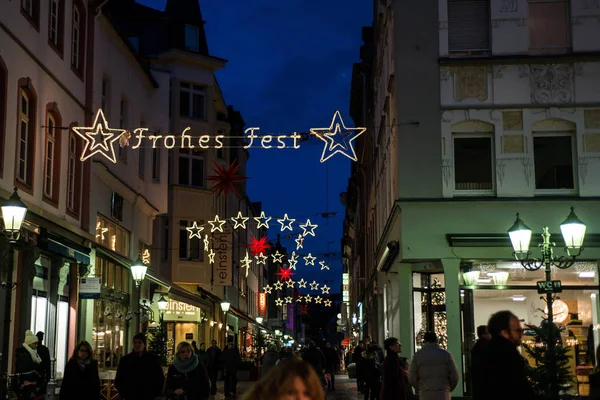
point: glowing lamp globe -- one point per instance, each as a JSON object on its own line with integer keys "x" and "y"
{"x": 573, "y": 232}
{"x": 13, "y": 213}
{"x": 520, "y": 238}
{"x": 163, "y": 303}
{"x": 138, "y": 271}
{"x": 471, "y": 277}
{"x": 259, "y": 320}
{"x": 225, "y": 305}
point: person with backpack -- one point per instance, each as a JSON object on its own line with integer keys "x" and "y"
{"x": 372, "y": 371}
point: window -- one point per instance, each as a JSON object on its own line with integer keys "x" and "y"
{"x": 27, "y": 6}
{"x": 23, "y": 152}
{"x": 52, "y": 159}
{"x": 191, "y": 168}
{"x": 192, "y": 35}
{"x": 72, "y": 203}
{"x": 189, "y": 249}
{"x": 469, "y": 26}
{"x": 77, "y": 37}
{"x": 191, "y": 101}
{"x": 122, "y": 125}
{"x": 553, "y": 162}
{"x": 548, "y": 26}
{"x": 56, "y": 25}
{"x": 26, "y": 136}
{"x": 109, "y": 332}
{"x": 112, "y": 236}
{"x": 31, "y": 10}
{"x": 429, "y": 312}
{"x": 473, "y": 163}
{"x": 156, "y": 164}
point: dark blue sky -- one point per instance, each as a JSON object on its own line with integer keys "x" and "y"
{"x": 289, "y": 69}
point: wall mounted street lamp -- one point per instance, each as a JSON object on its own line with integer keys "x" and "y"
{"x": 259, "y": 320}
{"x": 573, "y": 232}
{"x": 13, "y": 215}
{"x": 162, "y": 303}
{"x": 225, "y": 305}
{"x": 138, "y": 273}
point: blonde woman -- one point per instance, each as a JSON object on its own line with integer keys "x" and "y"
{"x": 291, "y": 379}
{"x": 187, "y": 378}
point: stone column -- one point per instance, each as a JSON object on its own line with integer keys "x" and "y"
{"x": 451, "y": 276}
{"x": 405, "y": 309}
{"x": 30, "y": 254}
{"x": 58, "y": 277}
{"x": 82, "y": 309}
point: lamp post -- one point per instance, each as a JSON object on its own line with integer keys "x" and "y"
{"x": 573, "y": 232}
{"x": 13, "y": 214}
{"x": 225, "y": 304}
{"x": 138, "y": 272}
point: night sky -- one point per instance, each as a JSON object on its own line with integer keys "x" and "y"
{"x": 289, "y": 69}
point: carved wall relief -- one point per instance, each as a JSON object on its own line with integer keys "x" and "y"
{"x": 591, "y": 4}
{"x": 592, "y": 142}
{"x": 528, "y": 170}
{"x": 513, "y": 144}
{"x": 500, "y": 170}
{"x": 551, "y": 83}
{"x": 508, "y": 6}
{"x": 447, "y": 171}
{"x": 591, "y": 119}
{"x": 512, "y": 120}
{"x": 471, "y": 83}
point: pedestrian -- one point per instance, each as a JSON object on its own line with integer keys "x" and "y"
{"x": 139, "y": 373}
{"x": 331, "y": 362}
{"x": 477, "y": 361}
{"x": 202, "y": 356}
{"x": 315, "y": 357}
{"x": 195, "y": 347}
{"x": 269, "y": 359}
{"x": 357, "y": 360}
{"x": 45, "y": 370}
{"x": 394, "y": 385}
{"x": 80, "y": 380}
{"x": 28, "y": 368}
{"x": 372, "y": 371}
{"x": 504, "y": 373}
{"x": 187, "y": 378}
{"x": 432, "y": 371}
{"x": 291, "y": 379}
{"x": 214, "y": 359}
{"x": 231, "y": 363}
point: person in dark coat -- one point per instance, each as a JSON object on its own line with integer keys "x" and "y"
{"x": 28, "y": 368}
{"x": 478, "y": 359}
{"x": 504, "y": 373}
{"x": 214, "y": 358}
{"x": 395, "y": 384}
{"x": 81, "y": 380}
{"x": 187, "y": 378}
{"x": 315, "y": 357}
{"x": 331, "y": 362}
{"x": 372, "y": 371}
{"x": 139, "y": 373}
{"x": 231, "y": 364}
{"x": 357, "y": 360}
{"x": 45, "y": 369}
{"x": 269, "y": 359}
{"x": 202, "y": 356}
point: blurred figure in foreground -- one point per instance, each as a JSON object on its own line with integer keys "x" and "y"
{"x": 81, "y": 380}
{"x": 395, "y": 384}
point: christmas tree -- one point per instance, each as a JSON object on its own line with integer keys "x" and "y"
{"x": 157, "y": 343}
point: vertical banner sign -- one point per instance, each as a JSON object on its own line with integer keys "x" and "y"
{"x": 262, "y": 303}
{"x": 222, "y": 268}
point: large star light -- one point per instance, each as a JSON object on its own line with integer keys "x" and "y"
{"x": 300, "y": 242}
{"x": 263, "y": 221}
{"x": 240, "y": 221}
{"x": 278, "y": 285}
{"x": 284, "y": 274}
{"x": 246, "y": 263}
{"x": 286, "y": 223}
{"x": 309, "y": 259}
{"x": 195, "y": 230}
{"x": 259, "y": 246}
{"x": 308, "y": 228}
{"x": 338, "y": 138}
{"x": 293, "y": 260}
{"x": 217, "y": 224}
{"x": 99, "y": 138}
{"x": 277, "y": 257}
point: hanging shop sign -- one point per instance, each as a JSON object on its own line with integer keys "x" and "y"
{"x": 262, "y": 303}
{"x": 549, "y": 287}
{"x": 222, "y": 266}
{"x": 100, "y": 139}
{"x": 89, "y": 288}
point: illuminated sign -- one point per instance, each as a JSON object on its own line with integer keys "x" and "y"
{"x": 262, "y": 302}
{"x": 345, "y": 287}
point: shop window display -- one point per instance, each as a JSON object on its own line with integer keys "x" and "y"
{"x": 429, "y": 311}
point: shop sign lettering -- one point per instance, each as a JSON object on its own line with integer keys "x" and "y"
{"x": 223, "y": 260}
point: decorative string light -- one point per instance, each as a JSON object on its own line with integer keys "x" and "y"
{"x": 338, "y": 138}
{"x": 279, "y": 302}
{"x": 308, "y": 228}
{"x": 300, "y": 242}
{"x": 286, "y": 223}
{"x": 309, "y": 259}
{"x": 302, "y": 283}
{"x": 314, "y": 285}
{"x": 323, "y": 266}
{"x": 293, "y": 260}
{"x": 195, "y": 230}
{"x": 277, "y": 257}
{"x": 206, "y": 242}
{"x": 288, "y": 300}
{"x": 268, "y": 289}
{"x": 217, "y": 224}
{"x": 98, "y": 138}
{"x": 246, "y": 263}
{"x": 211, "y": 256}
{"x": 318, "y": 300}
{"x": 290, "y": 283}
{"x": 263, "y": 221}
{"x": 261, "y": 259}
{"x": 325, "y": 289}
{"x": 327, "y": 303}
{"x": 240, "y": 221}
{"x": 308, "y": 298}
{"x": 278, "y": 285}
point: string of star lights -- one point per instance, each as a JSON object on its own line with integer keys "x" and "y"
{"x": 99, "y": 139}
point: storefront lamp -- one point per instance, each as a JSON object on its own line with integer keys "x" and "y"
{"x": 573, "y": 232}
{"x": 471, "y": 277}
{"x": 520, "y": 237}
{"x": 163, "y": 303}
{"x": 138, "y": 271}
{"x": 500, "y": 278}
{"x": 225, "y": 305}
{"x": 259, "y": 320}
{"x": 13, "y": 214}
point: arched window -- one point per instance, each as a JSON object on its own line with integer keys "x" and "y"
{"x": 78, "y": 18}
{"x": 25, "y": 160}
{"x": 554, "y": 156}
{"x": 52, "y": 146}
{"x": 473, "y": 149}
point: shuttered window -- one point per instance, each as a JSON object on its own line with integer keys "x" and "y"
{"x": 469, "y": 25}
{"x": 548, "y": 31}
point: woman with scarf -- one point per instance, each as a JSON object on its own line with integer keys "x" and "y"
{"x": 81, "y": 379}
{"x": 187, "y": 378}
{"x": 28, "y": 368}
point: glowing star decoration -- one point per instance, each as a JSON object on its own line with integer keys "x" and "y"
{"x": 286, "y": 223}
{"x": 293, "y": 260}
{"x": 268, "y": 289}
{"x": 323, "y": 266}
{"x": 100, "y": 231}
{"x": 290, "y": 284}
{"x": 338, "y": 138}
{"x": 263, "y": 220}
{"x": 288, "y": 300}
{"x": 278, "y": 285}
{"x": 325, "y": 289}
{"x": 277, "y": 257}
{"x": 206, "y": 242}
{"x": 217, "y": 224}
{"x": 211, "y": 256}
{"x": 284, "y": 274}
{"x": 318, "y": 300}
{"x": 299, "y": 299}
{"x": 246, "y": 263}
{"x": 99, "y": 138}
{"x": 327, "y": 303}
{"x": 302, "y": 283}
{"x": 227, "y": 179}
{"x": 259, "y": 246}
{"x": 307, "y": 298}
{"x": 146, "y": 257}
{"x": 240, "y": 221}
{"x": 314, "y": 285}
{"x": 308, "y": 228}
{"x": 195, "y": 230}
{"x": 278, "y": 302}
{"x": 261, "y": 259}
{"x": 304, "y": 309}
{"x": 309, "y": 259}
{"x": 300, "y": 242}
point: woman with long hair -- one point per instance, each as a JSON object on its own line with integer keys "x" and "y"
{"x": 291, "y": 379}
{"x": 395, "y": 384}
{"x": 81, "y": 379}
{"x": 187, "y": 378}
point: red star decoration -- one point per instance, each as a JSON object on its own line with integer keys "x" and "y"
{"x": 304, "y": 309}
{"x": 284, "y": 274}
{"x": 226, "y": 179}
{"x": 259, "y": 246}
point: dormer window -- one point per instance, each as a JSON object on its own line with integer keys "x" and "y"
{"x": 192, "y": 35}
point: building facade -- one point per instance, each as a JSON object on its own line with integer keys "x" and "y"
{"x": 490, "y": 114}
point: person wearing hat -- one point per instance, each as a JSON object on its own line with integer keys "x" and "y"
{"x": 28, "y": 367}
{"x": 139, "y": 373}
{"x": 44, "y": 354}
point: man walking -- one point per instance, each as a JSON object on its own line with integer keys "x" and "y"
{"x": 432, "y": 371}
{"x": 331, "y": 362}
{"x": 358, "y": 362}
{"x": 44, "y": 354}
{"x": 214, "y": 358}
{"x": 504, "y": 373}
{"x": 477, "y": 361}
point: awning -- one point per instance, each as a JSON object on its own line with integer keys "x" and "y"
{"x": 65, "y": 247}
{"x": 178, "y": 293}
{"x": 117, "y": 258}
{"x": 242, "y": 315}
